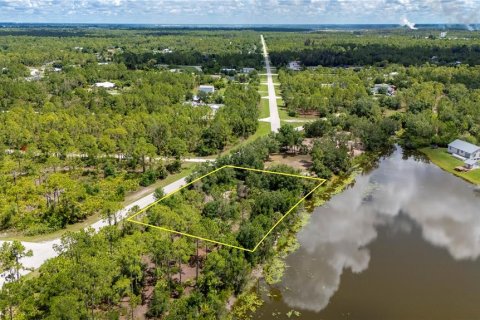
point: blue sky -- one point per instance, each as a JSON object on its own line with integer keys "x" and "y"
{"x": 240, "y": 11}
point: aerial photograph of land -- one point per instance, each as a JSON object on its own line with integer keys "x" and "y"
{"x": 240, "y": 159}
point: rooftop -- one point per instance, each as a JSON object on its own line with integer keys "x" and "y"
{"x": 470, "y": 162}
{"x": 105, "y": 84}
{"x": 464, "y": 146}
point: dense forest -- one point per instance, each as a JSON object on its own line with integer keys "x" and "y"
{"x": 379, "y": 48}
{"x": 136, "y": 49}
{"x": 71, "y": 149}
{"x": 125, "y": 269}
{"x": 233, "y": 206}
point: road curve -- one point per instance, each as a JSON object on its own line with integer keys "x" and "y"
{"x": 44, "y": 250}
{"x": 272, "y": 97}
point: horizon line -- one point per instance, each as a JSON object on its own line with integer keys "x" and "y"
{"x": 239, "y": 24}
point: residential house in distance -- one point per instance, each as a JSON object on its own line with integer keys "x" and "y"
{"x": 386, "y": 88}
{"x": 467, "y": 152}
{"x": 248, "y": 70}
{"x": 166, "y": 50}
{"x": 294, "y": 66}
{"x": 228, "y": 71}
{"x": 206, "y": 88}
{"x": 106, "y": 85}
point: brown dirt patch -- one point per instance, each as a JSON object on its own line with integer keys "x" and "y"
{"x": 302, "y": 161}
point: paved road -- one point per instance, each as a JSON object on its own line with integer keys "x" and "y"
{"x": 272, "y": 97}
{"x": 44, "y": 250}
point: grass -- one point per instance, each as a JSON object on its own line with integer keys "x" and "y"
{"x": 263, "y": 130}
{"x": 389, "y": 112}
{"x": 264, "y": 109}
{"x": 294, "y": 124}
{"x": 282, "y": 111}
{"x": 187, "y": 168}
{"x": 447, "y": 162}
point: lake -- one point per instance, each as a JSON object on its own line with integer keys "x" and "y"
{"x": 403, "y": 242}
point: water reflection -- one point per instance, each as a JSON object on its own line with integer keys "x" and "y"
{"x": 401, "y": 194}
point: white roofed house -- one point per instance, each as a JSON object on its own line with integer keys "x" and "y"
{"x": 294, "y": 66}
{"x": 206, "y": 88}
{"x": 467, "y": 152}
{"x": 228, "y": 70}
{"x": 106, "y": 85}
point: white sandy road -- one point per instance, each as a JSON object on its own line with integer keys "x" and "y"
{"x": 44, "y": 250}
{"x": 272, "y": 97}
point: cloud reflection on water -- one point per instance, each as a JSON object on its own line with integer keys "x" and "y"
{"x": 445, "y": 208}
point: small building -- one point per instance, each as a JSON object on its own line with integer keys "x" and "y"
{"x": 106, "y": 85}
{"x": 464, "y": 150}
{"x": 166, "y": 50}
{"x": 471, "y": 164}
{"x": 386, "y": 88}
{"x": 206, "y": 88}
{"x": 215, "y": 106}
{"x": 248, "y": 70}
{"x": 294, "y": 66}
{"x": 228, "y": 71}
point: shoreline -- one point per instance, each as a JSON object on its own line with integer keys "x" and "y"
{"x": 250, "y": 299}
{"x": 439, "y": 159}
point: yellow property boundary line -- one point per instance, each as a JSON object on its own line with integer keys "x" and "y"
{"x": 322, "y": 181}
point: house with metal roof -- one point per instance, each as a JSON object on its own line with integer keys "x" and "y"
{"x": 464, "y": 150}
{"x": 467, "y": 152}
{"x": 206, "y": 88}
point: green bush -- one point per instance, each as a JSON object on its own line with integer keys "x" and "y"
{"x": 148, "y": 178}
{"x": 174, "y": 166}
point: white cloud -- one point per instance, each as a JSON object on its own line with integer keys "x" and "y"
{"x": 244, "y": 11}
